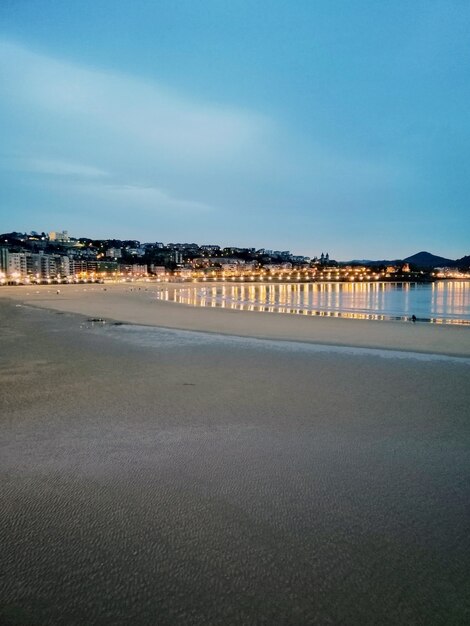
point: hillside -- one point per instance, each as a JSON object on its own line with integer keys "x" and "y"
{"x": 428, "y": 260}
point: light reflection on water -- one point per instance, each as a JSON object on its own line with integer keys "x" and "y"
{"x": 443, "y": 302}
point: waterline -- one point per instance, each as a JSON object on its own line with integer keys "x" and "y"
{"x": 442, "y": 302}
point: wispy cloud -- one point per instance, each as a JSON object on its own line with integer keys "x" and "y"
{"x": 139, "y": 199}
{"x": 135, "y": 110}
{"x": 56, "y": 167}
{"x": 106, "y": 143}
{"x": 141, "y": 143}
{"x": 143, "y": 196}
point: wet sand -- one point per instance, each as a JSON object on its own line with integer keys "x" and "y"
{"x": 137, "y": 304}
{"x": 155, "y": 476}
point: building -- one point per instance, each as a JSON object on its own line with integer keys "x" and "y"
{"x": 177, "y": 257}
{"x": 106, "y": 267}
{"x": 77, "y": 267}
{"x": 3, "y": 259}
{"x": 16, "y": 267}
{"x": 133, "y": 270}
{"x": 59, "y": 236}
{"x": 278, "y": 267}
{"x": 210, "y": 248}
{"x": 113, "y": 253}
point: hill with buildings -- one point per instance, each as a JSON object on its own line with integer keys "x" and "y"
{"x": 38, "y": 257}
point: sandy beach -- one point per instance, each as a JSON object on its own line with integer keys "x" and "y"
{"x": 136, "y": 303}
{"x": 155, "y": 474}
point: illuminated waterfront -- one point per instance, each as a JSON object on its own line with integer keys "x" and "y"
{"x": 440, "y": 302}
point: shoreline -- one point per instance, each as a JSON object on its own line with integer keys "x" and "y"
{"x": 347, "y": 349}
{"x": 137, "y": 305}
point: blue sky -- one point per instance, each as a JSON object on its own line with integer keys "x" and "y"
{"x": 340, "y": 126}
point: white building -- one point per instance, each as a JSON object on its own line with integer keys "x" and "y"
{"x": 16, "y": 265}
{"x": 61, "y": 236}
{"x": 114, "y": 253}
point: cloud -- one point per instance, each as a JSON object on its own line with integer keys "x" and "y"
{"x": 132, "y": 197}
{"x": 62, "y": 168}
{"x": 139, "y": 129}
{"x": 110, "y": 143}
{"x": 145, "y": 197}
{"x": 137, "y": 111}
{"x": 152, "y": 145}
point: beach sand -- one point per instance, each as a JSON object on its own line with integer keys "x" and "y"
{"x": 137, "y": 304}
{"x": 151, "y": 475}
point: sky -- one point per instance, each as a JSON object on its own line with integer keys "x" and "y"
{"x": 304, "y": 125}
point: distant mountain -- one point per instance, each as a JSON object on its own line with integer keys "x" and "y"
{"x": 359, "y": 262}
{"x": 428, "y": 260}
{"x": 370, "y": 262}
{"x": 463, "y": 262}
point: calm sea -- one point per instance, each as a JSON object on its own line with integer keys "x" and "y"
{"x": 442, "y": 302}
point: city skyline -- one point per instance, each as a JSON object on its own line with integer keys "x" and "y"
{"x": 59, "y": 237}
{"x": 303, "y": 127}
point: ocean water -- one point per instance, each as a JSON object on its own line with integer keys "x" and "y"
{"x": 442, "y": 302}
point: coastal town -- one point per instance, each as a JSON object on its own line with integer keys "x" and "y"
{"x": 56, "y": 257}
